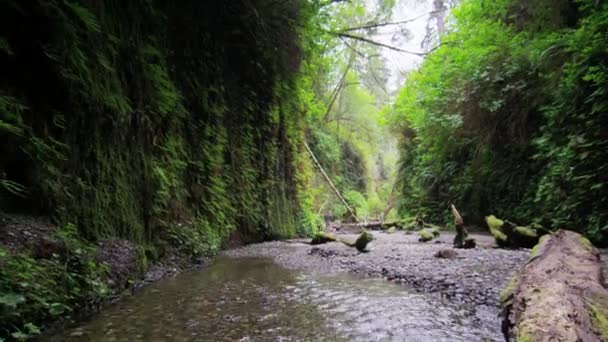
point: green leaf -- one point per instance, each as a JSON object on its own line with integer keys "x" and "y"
{"x": 597, "y": 186}
{"x": 11, "y": 300}
{"x": 57, "y": 309}
{"x": 18, "y": 335}
{"x": 32, "y": 328}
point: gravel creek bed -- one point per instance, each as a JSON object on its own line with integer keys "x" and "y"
{"x": 474, "y": 276}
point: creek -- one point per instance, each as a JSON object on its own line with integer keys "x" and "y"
{"x": 254, "y": 299}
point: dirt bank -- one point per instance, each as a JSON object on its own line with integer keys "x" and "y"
{"x": 473, "y": 276}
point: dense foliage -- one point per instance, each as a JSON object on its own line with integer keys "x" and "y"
{"x": 126, "y": 119}
{"x": 151, "y": 121}
{"x": 347, "y": 89}
{"x": 509, "y": 116}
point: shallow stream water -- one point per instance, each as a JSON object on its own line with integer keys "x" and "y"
{"x": 246, "y": 299}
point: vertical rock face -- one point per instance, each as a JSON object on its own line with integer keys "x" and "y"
{"x": 558, "y": 295}
{"x": 127, "y": 119}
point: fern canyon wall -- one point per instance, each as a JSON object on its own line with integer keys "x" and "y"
{"x": 147, "y": 119}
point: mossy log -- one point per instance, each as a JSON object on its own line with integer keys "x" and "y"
{"x": 376, "y": 225}
{"x": 558, "y": 295}
{"x": 508, "y": 234}
{"x": 322, "y": 237}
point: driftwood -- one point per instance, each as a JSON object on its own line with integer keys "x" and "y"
{"x": 558, "y": 295}
{"x": 322, "y": 237}
{"x": 360, "y": 244}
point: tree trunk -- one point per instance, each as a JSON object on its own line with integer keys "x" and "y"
{"x": 558, "y": 296}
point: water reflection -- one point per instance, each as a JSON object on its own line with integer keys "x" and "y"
{"x": 256, "y": 300}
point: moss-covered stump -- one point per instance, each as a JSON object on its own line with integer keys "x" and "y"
{"x": 322, "y": 237}
{"x": 558, "y": 295}
{"x": 425, "y": 235}
{"x": 508, "y": 234}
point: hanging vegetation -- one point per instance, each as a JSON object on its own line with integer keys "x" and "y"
{"x": 507, "y": 116}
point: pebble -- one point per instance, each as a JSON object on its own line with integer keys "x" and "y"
{"x": 476, "y": 276}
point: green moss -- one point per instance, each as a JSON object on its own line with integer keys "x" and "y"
{"x": 322, "y": 237}
{"x": 587, "y": 244}
{"x": 598, "y": 309}
{"x": 524, "y": 337}
{"x": 536, "y": 248}
{"x": 600, "y": 320}
{"x": 425, "y": 235}
{"x": 494, "y": 224}
{"x": 506, "y": 292}
{"x": 526, "y": 231}
{"x": 391, "y": 230}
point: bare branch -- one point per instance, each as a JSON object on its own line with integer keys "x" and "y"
{"x": 339, "y": 86}
{"x": 331, "y": 2}
{"x": 368, "y": 57}
{"x": 374, "y": 25}
{"x": 373, "y": 42}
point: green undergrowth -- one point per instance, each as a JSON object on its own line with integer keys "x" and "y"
{"x": 506, "y": 116}
{"x": 35, "y": 291}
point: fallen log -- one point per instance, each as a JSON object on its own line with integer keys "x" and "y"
{"x": 322, "y": 237}
{"x": 361, "y": 243}
{"x": 558, "y": 295}
{"x": 508, "y": 234}
{"x": 376, "y": 225}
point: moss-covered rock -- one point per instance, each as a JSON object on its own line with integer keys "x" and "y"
{"x": 322, "y": 237}
{"x": 425, "y": 235}
{"x": 363, "y": 240}
{"x": 391, "y": 230}
{"x": 446, "y": 254}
